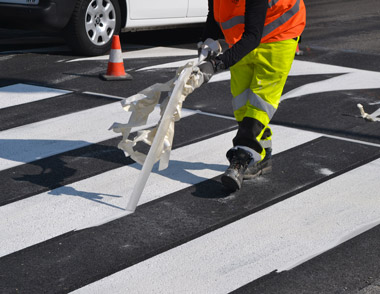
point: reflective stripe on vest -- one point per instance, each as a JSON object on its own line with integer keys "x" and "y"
{"x": 282, "y": 19}
{"x": 241, "y": 100}
{"x": 268, "y": 28}
{"x": 232, "y": 22}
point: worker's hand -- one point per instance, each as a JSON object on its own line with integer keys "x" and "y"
{"x": 211, "y": 66}
{"x": 208, "y": 49}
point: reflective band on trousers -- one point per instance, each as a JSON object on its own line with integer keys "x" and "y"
{"x": 255, "y": 100}
{"x": 269, "y": 27}
{"x": 266, "y": 143}
{"x": 281, "y": 20}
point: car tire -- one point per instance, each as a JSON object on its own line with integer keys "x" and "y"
{"x": 92, "y": 25}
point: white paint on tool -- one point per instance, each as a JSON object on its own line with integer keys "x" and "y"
{"x": 370, "y": 117}
{"x": 68, "y": 132}
{"x": 22, "y": 93}
{"x": 87, "y": 202}
{"x": 276, "y": 238}
{"x": 146, "y": 53}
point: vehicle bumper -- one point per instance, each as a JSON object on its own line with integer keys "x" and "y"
{"x": 48, "y": 14}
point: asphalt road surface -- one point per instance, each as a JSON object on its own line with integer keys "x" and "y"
{"x": 311, "y": 226}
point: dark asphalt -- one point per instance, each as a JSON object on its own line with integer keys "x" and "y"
{"x": 343, "y": 33}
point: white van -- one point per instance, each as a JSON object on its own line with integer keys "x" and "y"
{"x": 88, "y": 25}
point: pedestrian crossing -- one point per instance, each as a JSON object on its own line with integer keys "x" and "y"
{"x": 61, "y": 175}
{"x": 242, "y": 251}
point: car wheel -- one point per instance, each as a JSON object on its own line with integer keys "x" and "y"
{"x": 92, "y": 25}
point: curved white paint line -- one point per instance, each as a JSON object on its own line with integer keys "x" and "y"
{"x": 351, "y": 79}
{"x": 145, "y": 53}
{"x": 356, "y": 80}
{"x": 301, "y": 68}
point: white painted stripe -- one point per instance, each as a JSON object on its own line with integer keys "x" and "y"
{"x": 22, "y": 93}
{"x": 87, "y": 202}
{"x": 174, "y": 64}
{"x": 146, "y": 53}
{"x": 103, "y": 95}
{"x": 49, "y": 137}
{"x": 351, "y": 140}
{"x": 39, "y": 50}
{"x": 277, "y": 238}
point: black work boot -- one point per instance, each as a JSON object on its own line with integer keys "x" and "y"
{"x": 260, "y": 168}
{"x": 233, "y": 176}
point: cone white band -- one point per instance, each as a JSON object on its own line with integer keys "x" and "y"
{"x": 116, "y": 56}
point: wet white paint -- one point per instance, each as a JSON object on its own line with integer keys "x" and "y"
{"x": 349, "y": 78}
{"x": 18, "y": 94}
{"x": 325, "y": 171}
{"x": 277, "y": 238}
{"x": 87, "y": 202}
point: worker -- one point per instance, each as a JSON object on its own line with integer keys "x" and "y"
{"x": 262, "y": 36}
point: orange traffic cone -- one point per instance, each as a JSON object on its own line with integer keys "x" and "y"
{"x": 115, "y": 70}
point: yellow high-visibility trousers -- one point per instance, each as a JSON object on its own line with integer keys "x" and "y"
{"x": 257, "y": 82}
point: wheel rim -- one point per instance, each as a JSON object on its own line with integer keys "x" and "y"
{"x": 100, "y": 21}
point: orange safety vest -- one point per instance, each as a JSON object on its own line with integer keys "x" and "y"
{"x": 285, "y": 19}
